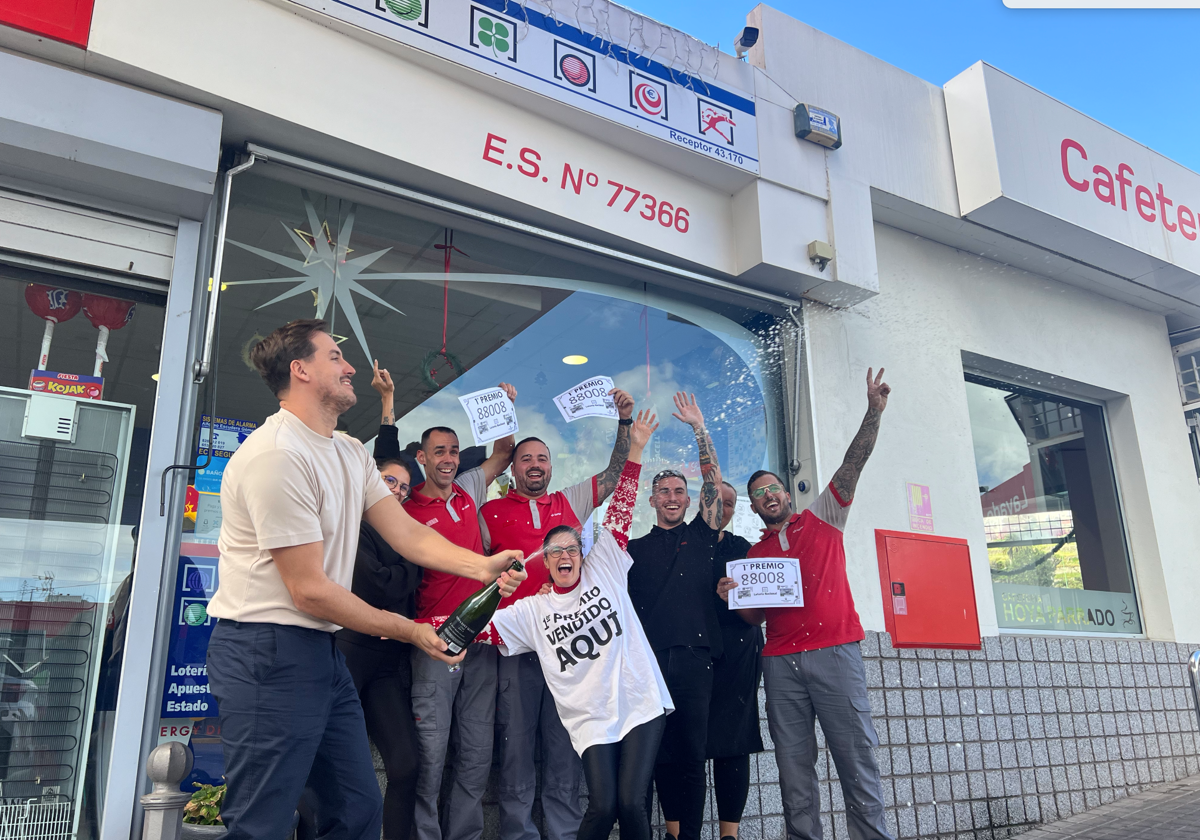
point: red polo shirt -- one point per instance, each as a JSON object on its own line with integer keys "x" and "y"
{"x": 828, "y": 617}
{"x": 456, "y": 519}
{"x": 516, "y": 521}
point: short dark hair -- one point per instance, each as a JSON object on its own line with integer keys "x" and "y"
{"x": 759, "y": 474}
{"x": 401, "y": 460}
{"x": 561, "y": 529}
{"x": 524, "y": 441}
{"x": 730, "y": 486}
{"x": 273, "y": 356}
{"x": 664, "y": 475}
{"x": 446, "y": 430}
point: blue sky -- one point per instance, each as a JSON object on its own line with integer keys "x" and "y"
{"x": 1136, "y": 71}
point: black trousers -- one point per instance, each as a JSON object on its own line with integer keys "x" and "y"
{"x": 679, "y": 771}
{"x": 384, "y": 682}
{"x": 731, "y": 779}
{"x": 618, "y": 779}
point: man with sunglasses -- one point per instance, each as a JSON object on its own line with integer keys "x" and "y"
{"x": 812, "y": 666}
{"x": 670, "y": 585}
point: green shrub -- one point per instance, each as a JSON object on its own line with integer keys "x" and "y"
{"x": 204, "y": 808}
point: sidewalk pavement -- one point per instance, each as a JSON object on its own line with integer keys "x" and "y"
{"x": 1166, "y": 812}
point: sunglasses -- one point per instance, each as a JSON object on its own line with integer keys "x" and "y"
{"x": 558, "y": 551}
{"x": 759, "y": 492}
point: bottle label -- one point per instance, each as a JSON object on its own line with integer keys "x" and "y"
{"x": 456, "y": 634}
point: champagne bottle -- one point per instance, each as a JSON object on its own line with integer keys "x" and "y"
{"x": 472, "y": 615}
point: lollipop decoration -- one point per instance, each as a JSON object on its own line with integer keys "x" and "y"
{"x": 106, "y": 314}
{"x": 54, "y": 306}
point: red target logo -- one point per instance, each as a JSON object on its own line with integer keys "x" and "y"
{"x": 575, "y": 71}
{"x": 647, "y": 95}
{"x": 574, "y": 66}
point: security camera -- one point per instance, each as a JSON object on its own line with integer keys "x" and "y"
{"x": 747, "y": 39}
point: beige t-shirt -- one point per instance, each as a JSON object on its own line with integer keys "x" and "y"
{"x": 288, "y": 485}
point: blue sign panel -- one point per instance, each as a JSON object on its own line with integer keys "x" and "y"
{"x": 185, "y": 691}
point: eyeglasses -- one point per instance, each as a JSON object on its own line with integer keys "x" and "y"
{"x": 558, "y": 551}
{"x": 394, "y": 484}
{"x": 759, "y": 492}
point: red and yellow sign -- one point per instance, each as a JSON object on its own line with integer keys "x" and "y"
{"x": 67, "y": 384}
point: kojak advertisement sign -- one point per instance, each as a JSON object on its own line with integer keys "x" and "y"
{"x": 516, "y": 42}
{"x": 1039, "y": 170}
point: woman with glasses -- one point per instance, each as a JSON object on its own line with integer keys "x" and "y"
{"x": 381, "y": 667}
{"x": 596, "y": 659}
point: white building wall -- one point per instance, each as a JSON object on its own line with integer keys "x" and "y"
{"x": 935, "y": 303}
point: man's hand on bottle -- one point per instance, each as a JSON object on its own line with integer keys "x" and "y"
{"x": 427, "y": 639}
{"x": 497, "y": 567}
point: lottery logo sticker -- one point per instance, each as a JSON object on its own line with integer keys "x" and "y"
{"x": 574, "y": 66}
{"x": 716, "y": 122}
{"x": 492, "y": 34}
{"x": 647, "y": 95}
{"x": 413, "y": 11}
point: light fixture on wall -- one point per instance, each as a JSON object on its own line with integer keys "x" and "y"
{"x": 820, "y": 254}
{"x": 575, "y": 360}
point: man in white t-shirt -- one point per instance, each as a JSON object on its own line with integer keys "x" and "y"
{"x": 292, "y": 498}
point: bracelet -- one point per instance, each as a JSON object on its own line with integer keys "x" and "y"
{"x": 625, "y": 421}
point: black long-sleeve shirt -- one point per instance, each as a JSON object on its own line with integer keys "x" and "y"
{"x": 384, "y": 580}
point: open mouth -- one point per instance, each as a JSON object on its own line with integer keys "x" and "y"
{"x": 672, "y": 508}
{"x": 772, "y": 506}
{"x": 565, "y": 568}
{"x": 534, "y": 475}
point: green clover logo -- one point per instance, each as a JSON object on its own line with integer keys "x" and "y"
{"x": 494, "y": 34}
{"x": 405, "y": 9}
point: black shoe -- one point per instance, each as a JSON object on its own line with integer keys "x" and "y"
{"x": 728, "y": 837}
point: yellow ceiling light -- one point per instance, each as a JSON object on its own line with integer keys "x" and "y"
{"x": 154, "y": 376}
{"x": 575, "y": 360}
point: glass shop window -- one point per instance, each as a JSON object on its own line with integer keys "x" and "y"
{"x": 1056, "y": 544}
{"x": 77, "y": 394}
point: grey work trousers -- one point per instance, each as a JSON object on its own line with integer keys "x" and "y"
{"x": 466, "y": 697}
{"x": 828, "y": 685}
{"x": 524, "y": 707}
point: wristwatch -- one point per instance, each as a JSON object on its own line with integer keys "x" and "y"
{"x": 625, "y": 421}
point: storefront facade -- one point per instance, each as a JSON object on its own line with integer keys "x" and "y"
{"x": 476, "y": 193}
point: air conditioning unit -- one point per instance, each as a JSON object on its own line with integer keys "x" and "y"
{"x": 1187, "y": 372}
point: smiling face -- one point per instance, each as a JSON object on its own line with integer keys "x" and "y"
{"x": 670, "y": 501}
{"x": 728, "y": 505}
{"x": 439, "y": 456}
{"x": 564, "y": 557}
{"x": 774, "y": 505}
{"x": 531, "y": 469}
{"x": 397, "y": 479}
{"x": 328, "y": 373}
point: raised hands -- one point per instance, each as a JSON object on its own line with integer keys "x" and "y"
{"x": 877, "y": 390}
{"x": 623, "y": 402}
{"x": 687, "y": 410}
{"x": 381, "y": 381}
{"x": 639, "y": 433}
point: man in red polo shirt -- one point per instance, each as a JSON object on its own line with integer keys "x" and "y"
{"x": 521, "y": 519}
{"x": 812, "y": 666}
{"x": 449, "y": 503}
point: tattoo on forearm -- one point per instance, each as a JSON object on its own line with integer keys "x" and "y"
{"x": 389, "y": 418}
{"x": 710, "y": 469}
{"x": 845, "y": 480}
{"x": 606, "y": 481}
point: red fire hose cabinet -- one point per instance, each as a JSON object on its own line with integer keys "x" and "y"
{"x": 928, "y": 591}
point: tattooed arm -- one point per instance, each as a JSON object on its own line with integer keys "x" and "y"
{"x": 381, "y": 381}
{"x": 846, "y": 478}
{"x": 606, "y": 481}
{"x": 710, "y": 470}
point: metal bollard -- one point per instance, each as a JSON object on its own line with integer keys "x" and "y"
{"x": 1194, "y": 677}
{"x": 168, "y": 765}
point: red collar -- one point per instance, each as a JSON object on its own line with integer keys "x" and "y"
{"x": 415, "y": 495}
{"x": 570, "y": 588}
{"x": 513, "y": 495}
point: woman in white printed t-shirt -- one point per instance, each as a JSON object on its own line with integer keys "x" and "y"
{"x": 598, "y": 665}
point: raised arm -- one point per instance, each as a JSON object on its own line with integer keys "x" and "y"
{"x": 381, "y": 381}
{"x": 710, "y": 471}
{"x": 845, "y": 480}
{"x": 619, "y": 516}
{"x": 502, "y": 449}
{"x": 606, "y": 481}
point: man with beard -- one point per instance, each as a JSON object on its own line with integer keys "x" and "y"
{"x": 812, "y": 666}
{"x": 292, "y": 499}
{"x": 671, "y": 585}
{"x": 449, "y": 502}
{"x": 521, "y": 520}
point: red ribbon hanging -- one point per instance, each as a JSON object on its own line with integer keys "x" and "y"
{"x": 447, "y": 247}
